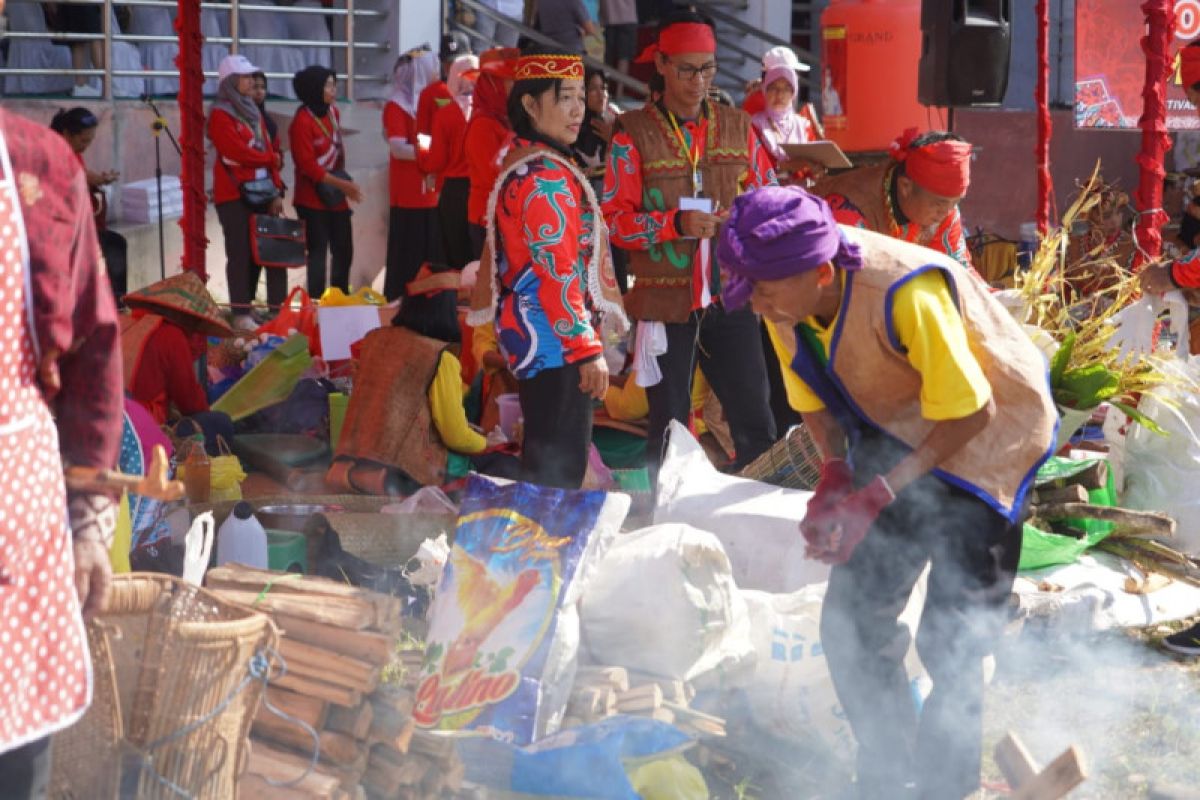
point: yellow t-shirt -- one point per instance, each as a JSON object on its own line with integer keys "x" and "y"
{"x": 953, "y": 385}
{"x": 483, "y": 341}
{"x": 628, "y": 403}
{"x": 446, "y": 407}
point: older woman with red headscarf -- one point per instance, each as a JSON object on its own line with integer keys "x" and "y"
{"x": 913, "y": 196}
{"x": 932, "y": 412}
{"x": 487, "y": 132}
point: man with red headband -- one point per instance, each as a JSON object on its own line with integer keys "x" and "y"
{"x": 913, "y": 196}
{"x": 932, "y": 412}
{"x": 673, "y": 169}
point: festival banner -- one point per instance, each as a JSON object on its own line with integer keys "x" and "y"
{"x": 1110, "y": 67}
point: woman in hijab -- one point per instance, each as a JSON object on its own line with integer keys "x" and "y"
{"x": 779, "y": 123}
{"x": 245, "y": 157}
{"x": 487, "y": 132}
{"x": 260, "y": 99}
{"x": 323, "y": 186}
{"x": 447, "y": 159}
{"x": 412, "y": 222}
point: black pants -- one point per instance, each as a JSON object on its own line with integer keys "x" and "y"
{"x": 478, "y": 236}
{"x": 558, "y": 428}
{"x": 329, "y": 235}
{"x": 116, "y": 262}
{"x": 452, "y": 217}
{"x": 241, "y": 273}
{"x": 726, "y": 345}
{"x": 25, "y": 771}
{"x": 412, "y": 233}
{"x": 974, "y": 553}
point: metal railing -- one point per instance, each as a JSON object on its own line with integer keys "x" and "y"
{"x": 346, "y": 45}
{"x": 727, "y": 22}
{"x": 627, "y": 81}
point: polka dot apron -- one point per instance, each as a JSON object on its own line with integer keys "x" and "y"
{"x": 45, "y": 671}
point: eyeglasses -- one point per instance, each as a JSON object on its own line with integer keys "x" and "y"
{"x": 689, "y": 72}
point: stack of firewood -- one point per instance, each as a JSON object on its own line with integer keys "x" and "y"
{"x": 349, "y": 678}
{"x": 601, "y": 692}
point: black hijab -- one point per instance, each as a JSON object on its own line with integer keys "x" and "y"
{"x": 309, "y": 84}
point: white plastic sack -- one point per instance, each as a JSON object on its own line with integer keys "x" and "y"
{"x": 426, "y": 500}
{"x": 757, "y": 524}
{"x": 1162, "y": 472}
{"x": 663, "y": 601}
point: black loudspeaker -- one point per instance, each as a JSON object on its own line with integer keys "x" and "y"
{"x": 965, "y": 49}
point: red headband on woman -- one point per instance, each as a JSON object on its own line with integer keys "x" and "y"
{"x": 1189, "y": 66}
{"x": 681, "y": 37}
{"x": 943, "y": 168}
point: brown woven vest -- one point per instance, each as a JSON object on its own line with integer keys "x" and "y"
{"x": 998, "y": 463}
{"x": 662, "y": 288}
{"x": 864, "y": 188}
{"x": 388, "y": 419}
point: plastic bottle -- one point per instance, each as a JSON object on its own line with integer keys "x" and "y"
{"x": 242, "y": 539}
{"x": 197, "y": 478}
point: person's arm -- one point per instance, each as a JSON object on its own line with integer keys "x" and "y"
{"x": 951, "y": 240}
{"x": 437, "y": 158}
{"x": 827, "y": 434}
{"x": 762, "y": 167}
{"x": 548, "y": 215}
{"x": 400, "y": 131}
{"x": 175, "y": 360}
{"x": 1183, "y": 273}
{"x": 631, "y": 226}
{"x": 446, "y": 408}
{"x": 231, "y": 145}
{"x": 583, "y": 19}
{"x": 486, "y": 350}
{"x": 301, "y": 134}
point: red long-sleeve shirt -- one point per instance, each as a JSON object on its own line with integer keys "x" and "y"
{"x": 164, "y": 375}
{"x": 434, "y": 97}
{"x": 484, "y": 138}
{"x": 237, "y": 162}
{"x": 406, "y": 184}
{"x": 316, "y": 149}
{"x": 447, "y": 156}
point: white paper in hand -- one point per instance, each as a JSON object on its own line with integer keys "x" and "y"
{"x": 1134, "y": 334}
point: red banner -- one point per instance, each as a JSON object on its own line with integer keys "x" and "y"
{"x": 1110, "y": 66}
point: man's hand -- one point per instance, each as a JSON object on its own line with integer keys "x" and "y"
{"x": 496, "y": 437}
{"x": 833, "y": 533}
{"x": 593, "y": 378}
{"x": 93, "y": 576}
{"x": 699, "y": 224}
{"x": 351, "y": 190}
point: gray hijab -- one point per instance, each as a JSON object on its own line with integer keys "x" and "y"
{"x": 240, "y": 106}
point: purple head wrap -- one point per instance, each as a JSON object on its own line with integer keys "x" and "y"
{"x": 776, "y": 232}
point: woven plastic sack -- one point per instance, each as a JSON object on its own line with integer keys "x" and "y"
{"x": 504, "y": 625}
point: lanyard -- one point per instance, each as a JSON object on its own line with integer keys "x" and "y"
{"x": 692, "y": 155}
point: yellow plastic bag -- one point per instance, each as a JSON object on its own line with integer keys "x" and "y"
{"x": 226, "y": 475}
{"x": 672, "y": 778}
{"x": 366, "y": 296}
{"x": 118, "y": 552}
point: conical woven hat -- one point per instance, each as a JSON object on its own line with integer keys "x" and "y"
{"x": 184, "y": 300}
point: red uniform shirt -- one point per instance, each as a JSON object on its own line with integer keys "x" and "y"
{"x": 755, "y": 103}
{"x": 164, "y": 376}
{"x": 434, "y": 97}
{"x": 406, "y": 181}
{"x": 316, "y": 149}
{"x": 237, "y": 162}
{"x": 484, "y": 139}
{"x": 447, "y": 156}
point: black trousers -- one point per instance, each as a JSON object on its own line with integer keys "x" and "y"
{"x": 478, "y": 236}
{"x": 116, "y": 262}
{"x": 412, "y": 233}
{"x": 241, "y": 273}
{"x": 330, "y": 236}
{"x": 727, "y": 347}
{"x": 25, "y": 771}
{"x": 974, "y": 553}
{"x": 452, "y": 217}
{"x": 558, "y": 428}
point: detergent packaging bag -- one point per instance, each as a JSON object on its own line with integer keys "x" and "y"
{"x": 504, "y": 624}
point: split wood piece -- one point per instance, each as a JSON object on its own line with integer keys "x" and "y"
{"x": 354, "y": 722}
{"x": 643, "y": 698}
{"x": 307, "y": 659}
{"x": 1066, "y": 494}
{"x": 1094, "y": 477}
{"x": 594, "y": 703}
{"x": 706, "y": 724}
{"x": 398, "y": 771}
{"x": 398, "y": 739}
{"x": 311, "y": 710}
{"x": 338, "y": 695}
{"x": 241, "y": 577}
{"x": 437, "y": 746}
{"x": 1148, "y": 584}
{"x": 661, "y": 714}
{"x": 1027, "y": 781}
{"x": 616, "y": 678}
{"x": 342, "y": 612}
{"x": 1148, "y": 523}
{"x": 392, "y": 721}
{"x": 673, "y": 691}
{"x": 336, "y": 748}
{"x": 374, "y": 648}
{"x": 269, "y": 762}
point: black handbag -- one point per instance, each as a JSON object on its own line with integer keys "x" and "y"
{"x": 258, "y": 193}
{"x": 331, "y": 196}
{"x": 278, "y": 241}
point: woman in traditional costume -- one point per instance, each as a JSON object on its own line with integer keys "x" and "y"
{"x": 545, "y": 273}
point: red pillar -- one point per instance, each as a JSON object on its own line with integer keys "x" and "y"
{"x": 191, "y": 134}
{"x": 1160, "y": 26}
{"x": 1044, "y": 125}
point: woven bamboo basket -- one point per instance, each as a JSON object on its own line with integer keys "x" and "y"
{"x": 792, "y": 463}
{"x": 173, "y": 695}
{"x": 389, "y": 540}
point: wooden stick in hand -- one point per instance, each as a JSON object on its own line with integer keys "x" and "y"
{"x": 153, "y": 484}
